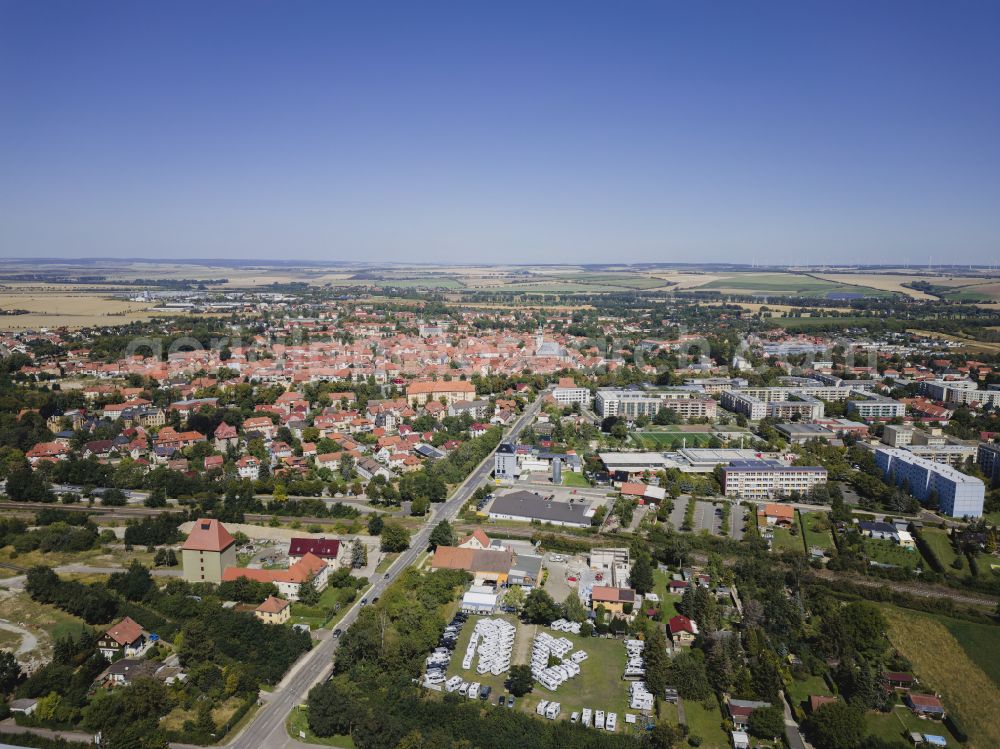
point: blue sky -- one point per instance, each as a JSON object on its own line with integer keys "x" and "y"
{"x": 469, "y": 131}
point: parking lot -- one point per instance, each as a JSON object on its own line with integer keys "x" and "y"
{"x": 598, "y": 686}
{"x": 708, "y": 517}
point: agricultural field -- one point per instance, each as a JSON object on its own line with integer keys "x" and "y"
{"x": 74, "y": 309}
{"x": 883, "y": 281}
{"x": 981, "y": 643}
{"x": 943, "y": 665}
{"x": 970, "y": 345}
{"x": 789, "y": 284}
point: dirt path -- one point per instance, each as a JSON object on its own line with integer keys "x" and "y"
{"x": 28, "y": 641}
{"x": 522, "y": 644}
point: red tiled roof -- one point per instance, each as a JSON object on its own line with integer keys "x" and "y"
{"x": 681, "y": 623}
{"x": 272, "y": 605}
{"x": 125, "y": 632}
{"x": 324, "y": 548}
{"x": 208, "y": 535}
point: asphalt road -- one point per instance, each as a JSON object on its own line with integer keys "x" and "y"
{"x": 267, "y": 729}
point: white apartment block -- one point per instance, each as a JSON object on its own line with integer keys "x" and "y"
{"x": 567, "y": 396}
{"x": 958, "y": 494}
{"x": 632, "y": 403}
{"x": 766, "y": 479}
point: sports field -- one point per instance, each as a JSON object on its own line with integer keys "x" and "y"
{"x": 665, "y": 439}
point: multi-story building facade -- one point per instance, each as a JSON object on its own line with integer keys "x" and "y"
{"x": 632, "y": 403}
{"x": 567, "y": 393}
{"x": 988, "y": 457}
{"x": 957, "y": 494}
{"x": 764, "y": 479}
{"x": 872, "y": 406}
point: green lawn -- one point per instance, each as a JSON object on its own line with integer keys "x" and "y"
{"x": 799, "y": 691}
{"x": 297, "y": 723}
{"x": 571, "y": 478}
{"x": 887, "y": 552}
{"x": 706, "y": 723}
{"x": 816, "y": 528}
{"x": 898, "y": 723}
{"x": 323, "y": 612}
{"x": 668, "y": 602}
{"x": 940, "y": 544}
{"x": 785, "y": 541}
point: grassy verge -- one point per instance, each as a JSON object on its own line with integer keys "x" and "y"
{"x": 298, "y": 728}
{"x": 385, "y": 563}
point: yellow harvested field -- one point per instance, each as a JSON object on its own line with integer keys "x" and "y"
{"x": 968, "y": 344}
{"x": 690, "y": 280}
{"x": 881, "y": 281}
{"x": 71, "y": 309}
{"x": 941, "y": 664}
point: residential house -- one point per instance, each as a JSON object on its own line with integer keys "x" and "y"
{"x": 289, "y": 581}
{"x": 613, "y": 599}
{"x": 248, "y": 467}
{"x": 778, "y": 514}
{"x": 121, "y": 673}
{"x": 327, "y": 549}
{"x": 485, "y": 565}
{"x": 225, "y": 437}
{"x": 924, "y": 704}
{"x": 682, "y": 630}
{"x": 274, "y": 611}
{"x": 126, "y": 638}
{"x": 436, "y": 390}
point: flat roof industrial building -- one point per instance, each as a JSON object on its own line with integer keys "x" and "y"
{"x": 528, "y": 506}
